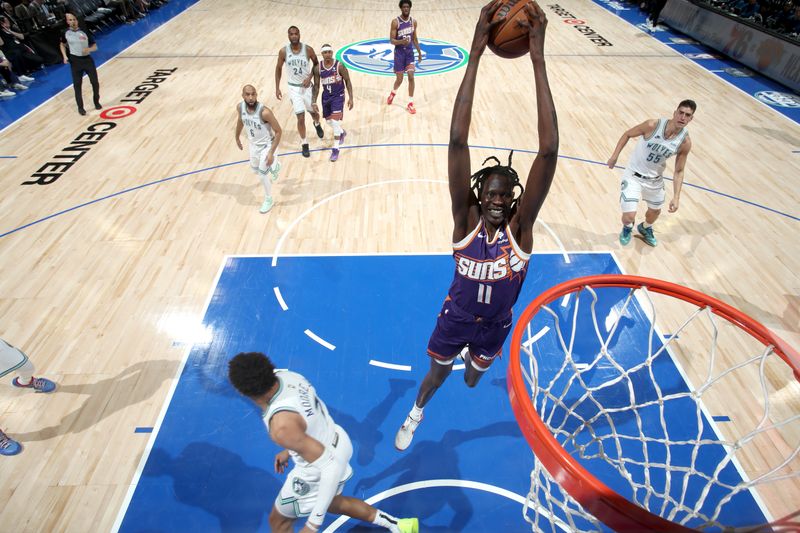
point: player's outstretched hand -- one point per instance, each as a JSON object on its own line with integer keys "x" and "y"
{"x": 278, "y": 94}
{"x": 485, "y": 26}
{"x": 612, "y": 162}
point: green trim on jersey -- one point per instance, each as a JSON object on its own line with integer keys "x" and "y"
{"x": 655, "y": 131}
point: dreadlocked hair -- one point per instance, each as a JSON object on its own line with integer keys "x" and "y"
{"x": 478, "y": 179}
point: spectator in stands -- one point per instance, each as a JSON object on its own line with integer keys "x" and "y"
{"x": 39, "y": 13}
{"x": 655, "y": 11}
{"x": 129, "y": 12}
{"x": 788, "y": 20}
{"x": 24, "y": 59}
{"x": 748, "y": 9}
{"x": 24, "y": 18}
{"x": 13, "y": 81}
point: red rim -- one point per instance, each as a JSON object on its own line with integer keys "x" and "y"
{"x": 606, "y": 505}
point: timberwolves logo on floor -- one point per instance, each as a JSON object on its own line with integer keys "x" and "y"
{"x": 779, "y": 99}
{"x": 376, "y": 56}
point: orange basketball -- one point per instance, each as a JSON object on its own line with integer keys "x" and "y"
{"x": 508, "y": 39}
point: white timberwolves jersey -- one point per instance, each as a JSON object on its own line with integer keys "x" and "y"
{"x": 651, "y": 154}
{"x": 298, "y": 64}
{"x": 258, "y": 132}
{"x": 296, "y": 394}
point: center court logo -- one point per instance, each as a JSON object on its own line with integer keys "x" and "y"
{"x": 376, "y": 56}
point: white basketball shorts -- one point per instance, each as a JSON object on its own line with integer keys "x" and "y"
{"x": 258, "y": 157}
{"x": 633, "y": 189}
{"x": 11, "y": 358}
{"x": 299, "y": 493}
{"x": 301, "y": 99}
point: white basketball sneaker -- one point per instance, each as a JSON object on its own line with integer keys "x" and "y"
{"x": 406, "y": 432}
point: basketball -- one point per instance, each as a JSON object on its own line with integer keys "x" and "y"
{"x": 509, "y": 39}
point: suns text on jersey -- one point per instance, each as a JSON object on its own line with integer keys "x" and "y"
{"x": 492, "y": 270}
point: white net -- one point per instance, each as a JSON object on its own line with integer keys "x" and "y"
{"x": 699, "y": 426}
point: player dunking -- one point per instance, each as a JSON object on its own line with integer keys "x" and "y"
{"x": 402, "y": 34}
{"x": 493, "y": 230}
{"x": 643, "y": 178}
{"x": 298, "y": 420}
{"x": 264, "y": 136}
{"x": 334, "y": 77}
{"x": 300, "y": 60}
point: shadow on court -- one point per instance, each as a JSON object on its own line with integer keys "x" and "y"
{"x": 435, "y": 460}
{"x": 365, "y": 433}
{"x": 133, "y": 385}
{"x": 240, "y": 496}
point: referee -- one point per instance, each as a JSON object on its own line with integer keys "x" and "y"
{"x": 79, "y": 44}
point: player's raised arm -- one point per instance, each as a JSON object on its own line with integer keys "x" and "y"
{"x": 544, "y": 165}
{"x": 458, "y": 161}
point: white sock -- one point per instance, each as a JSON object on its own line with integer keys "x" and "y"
{"x": 646, "y": 224}
{"x": 335, "y": 143}
{"x": 411, "y": 100}
{"x": 303, "y": 141}
{"x": 629, "y": 226}
{"x": 25, "y": 372}
{"x": 266, "y": 182}
{"x": 385, "y": 520}
{"x": 416, "y": 412}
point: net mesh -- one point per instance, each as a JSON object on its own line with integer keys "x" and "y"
{"x": 635, "y": 408}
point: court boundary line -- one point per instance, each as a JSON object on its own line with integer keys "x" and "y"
{"x": 134, "y": 483}
{"x": 604, "y": 7}
{"x": 101, "y": 65}
{"x": 384, "y": 145}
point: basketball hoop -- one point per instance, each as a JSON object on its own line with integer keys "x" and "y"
{"x": 577, "y": 396}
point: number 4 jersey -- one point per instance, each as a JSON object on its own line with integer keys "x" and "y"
{"x": 651, "y": 153}
{"x": 489, "y": 272}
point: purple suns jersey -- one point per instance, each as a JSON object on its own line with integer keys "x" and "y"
{"x": 330, "y": 79}
{"x": 489, "y": 273}
{"x": 405, "y": 28}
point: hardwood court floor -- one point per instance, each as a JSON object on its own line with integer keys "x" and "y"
{"x": 101, "y": 295}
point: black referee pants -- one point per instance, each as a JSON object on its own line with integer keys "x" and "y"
{"x": 81, "y": 65}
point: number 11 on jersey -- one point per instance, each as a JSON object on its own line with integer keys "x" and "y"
{"x": 484, "y": 294}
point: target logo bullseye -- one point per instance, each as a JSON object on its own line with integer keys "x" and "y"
{"x": 60, "y": 163}
{"x": 120, "y": 111}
